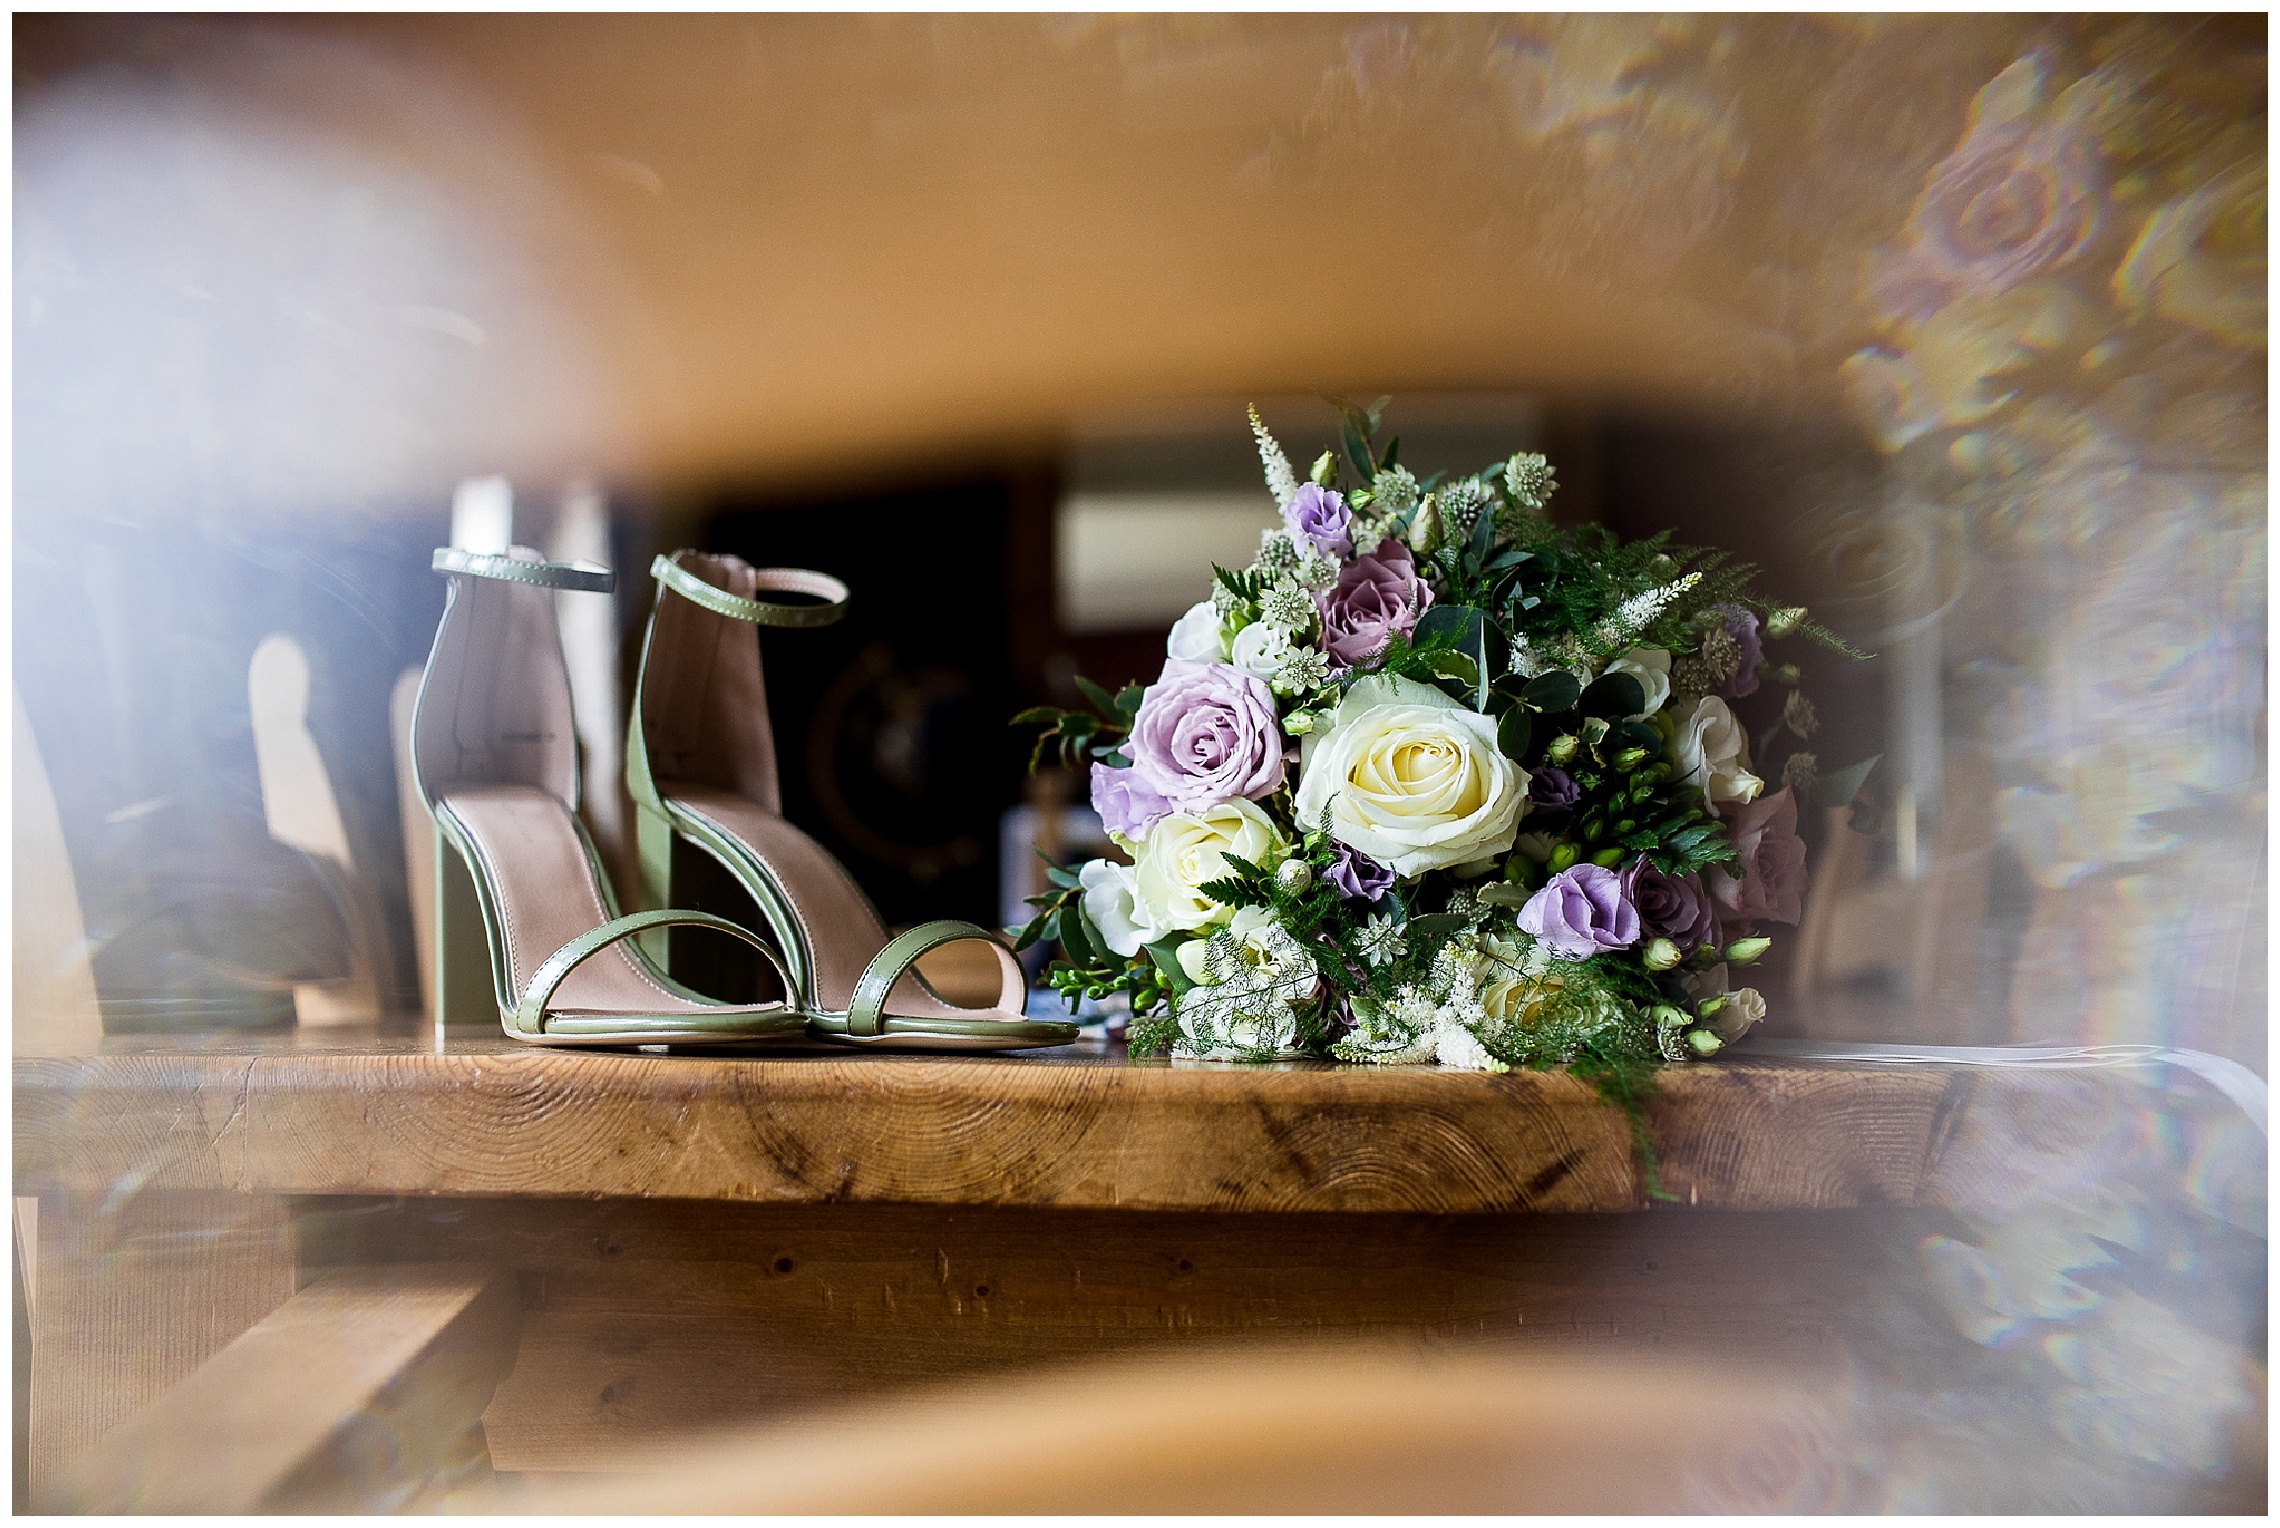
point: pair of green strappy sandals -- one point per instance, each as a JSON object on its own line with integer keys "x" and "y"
{"x": 495, "y": 756}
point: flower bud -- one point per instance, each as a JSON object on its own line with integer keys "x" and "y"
{"x": 1788, "y": 673}
{"x": 1667, "y": 1017}
{"x": 1629, "y": 759}
{"x": 1563, "y": 857}
{"x": 1782, "y": 623}
{"x": 1563, "y": 748}
{"x": 1326, "y": 468}
{"x": 1742, "y": 951}
{"x": 1608, "y": 859}
{"x": 1298, "y": 723}
{"x": 1661, "y": 955}
{"x": 1425, "y": 529}
{"x": 1294, "y": 876}
{"x": 1704, "y": 1043}
{"x": 1710, "y": 1005}
{"x": 1522, "y": 871}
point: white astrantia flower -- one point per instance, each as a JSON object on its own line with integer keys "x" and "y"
{"x": 1281, "y": 481}
{"x": 1634, "y": 614}
{"x": 1315, "y": 574}
{"x": 1251, "y": 978}
{"x": 1304, "y": 671}
{"x": 1380, "y": 940}
{"x": 1289, "y": 606}
{"x": 1195, "y": 636}
{"x": 1651, "y": 667}
{"x": 1711, "y": 753}
{"x": 1260, "y": 648}
{"x": 1112, "y": 902}
{"x": 1278, "y": 554}
{"x": 1528, "y": 478}
{"x": 1412, "y": 778}
{"x": 1394, "y": 491}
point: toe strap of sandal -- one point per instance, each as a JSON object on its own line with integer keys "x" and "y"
{"x": 668, "y": 571}
{"x": 530, "y": 1013}
{"x": 866, "y": 1015}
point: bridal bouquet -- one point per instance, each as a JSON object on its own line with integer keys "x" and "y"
{"x": 1434, "y": 779}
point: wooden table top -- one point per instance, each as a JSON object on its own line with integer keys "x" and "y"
{"x": 348, "y": 1112}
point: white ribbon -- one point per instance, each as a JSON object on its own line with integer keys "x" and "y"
{"x": 2230, "y": 1078}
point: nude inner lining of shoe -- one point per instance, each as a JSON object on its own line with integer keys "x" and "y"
{"x": 824, "y": 898}
{"x": 547, "y": 897}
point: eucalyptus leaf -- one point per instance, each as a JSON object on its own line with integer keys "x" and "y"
{"x": 1076, "y": 944}
{"x": 1504, "y": 894}
{"x": 1100, "y": 699}
{"x": 1358, "y": 452}
{"x": 1165, "y": 952}
{"x": 1512, "y": 734}
{"x": 1612, "y": 696}
{"x": 1432, "y": 928}
{"x": 1555, "y": 691}
{"x": 1447, "y": 663}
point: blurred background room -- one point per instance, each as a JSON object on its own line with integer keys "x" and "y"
{"x": 1956, "y": 325}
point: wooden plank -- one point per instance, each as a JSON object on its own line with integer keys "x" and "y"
{"x": 1343, "y": 1428}
{"x": 136, "y": 1290}
{"x": 493, "y": 1121}
{"x": 645, "y": 1321}
{"x": 349, "y": 1398}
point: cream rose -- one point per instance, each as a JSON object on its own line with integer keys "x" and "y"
{"x": 1186, "y": 849}
{"x": 1711, "y": 753}
{"x": 1651, "y": 667}
{"x": 1411, "y": 778}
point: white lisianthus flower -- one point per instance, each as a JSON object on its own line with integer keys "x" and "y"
{"x": 1186, "y": 849}
{"x": 1195, "y": 636}
{"x": 1651, "y": 667}
{"x": 1112, "y": 902}
{"x": 1744, "y": 1011}
{"x": 1411, "y": 778}
{"x": 1261, "y": 648}
{"x": 1711, "y": 753}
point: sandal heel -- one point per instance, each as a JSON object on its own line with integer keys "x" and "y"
{"x": 465, "y": 995}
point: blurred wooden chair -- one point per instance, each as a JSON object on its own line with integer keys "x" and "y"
{"x": 1339, "y": 1427}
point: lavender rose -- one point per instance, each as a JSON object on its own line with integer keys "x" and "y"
{"x": 1764, "y": 835}
{"x": 1580, "y": 912}
{"x": 1127, "y": 803}
{"x": 1742, "y": 626}
{"x": 1356, "y": 876}
{"x": 1376, "y": 598}
{"x": 1552, "y": 790}
{"x": 1673, "y": 907}
{"x": 1318, "y": 518}
{"x": 1207, "y": 733}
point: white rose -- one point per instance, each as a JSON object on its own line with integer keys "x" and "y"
{"x": 1195, "y": 636}
{"x": 1111, "y": 901}
{"x": 1184, "y": 850}
{"x": 1651, "y": 667}
{"x": 1412, "y": 778}
{"x": 1711, "y": 753}
{"x": 1261, "y": 648}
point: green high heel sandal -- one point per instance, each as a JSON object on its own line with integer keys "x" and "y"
{"x": 701, "y": 766}
{"x": 496, "y": 761}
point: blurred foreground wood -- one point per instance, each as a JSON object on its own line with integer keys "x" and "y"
{"x": 1338, "y": 1428}
{"x": 353, "y": 1396}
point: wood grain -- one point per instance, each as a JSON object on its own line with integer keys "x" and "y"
{"x": 350, "y": 1397}
{"x": 1089, "y": 1132}
{"x": 644, "y": 1322}
{"x": 136, "y": 1290}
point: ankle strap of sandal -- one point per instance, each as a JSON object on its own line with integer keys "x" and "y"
{"x": 668, "y": 571}
{"x": 582, "y": 577}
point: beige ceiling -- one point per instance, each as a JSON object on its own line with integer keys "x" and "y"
{"x": 784, "y": 245}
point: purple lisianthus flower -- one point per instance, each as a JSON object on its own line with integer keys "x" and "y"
{"x": 1127, "y": 803}
{"x": 1318, "y": 517}
{"x": 1742, "y": 626}
{"x": 1207, "y": 733}
{"x": 1376, "y": 598}
{"x": 1357, "y": 877}
{"x": 1771, "y": 857}
{"x": 1580, "y": 912}
{"x": 1673, "y": 907}
{"x": 1551, "y": 790}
